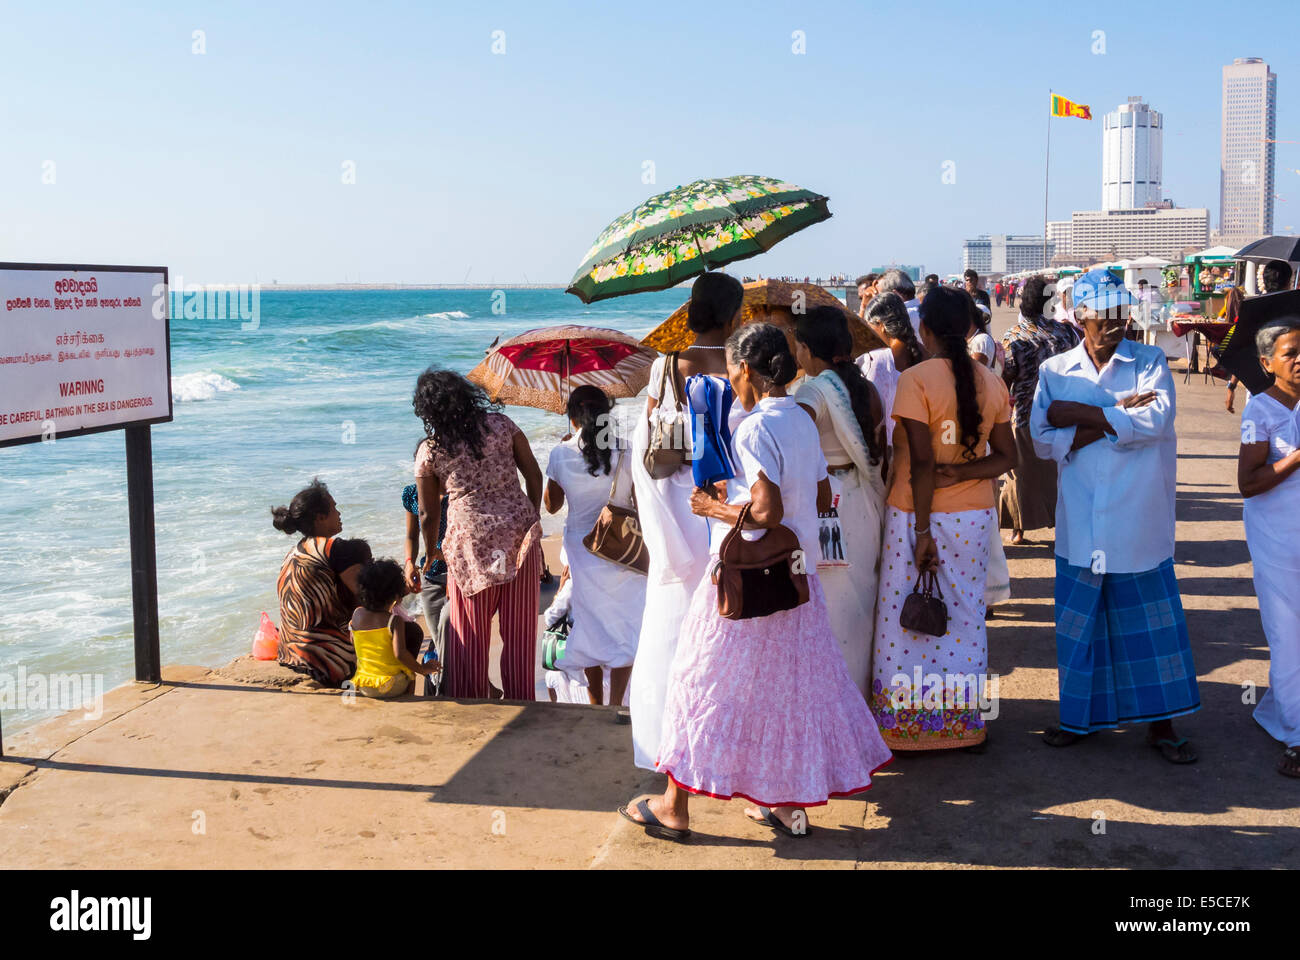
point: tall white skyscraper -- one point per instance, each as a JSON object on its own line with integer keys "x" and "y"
{"x": 1131, "y": 146}
{"x": 1248, "y": 149}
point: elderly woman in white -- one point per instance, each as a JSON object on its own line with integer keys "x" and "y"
{"x": 1268, "y": 474}
{"x": 1104, "y": 411}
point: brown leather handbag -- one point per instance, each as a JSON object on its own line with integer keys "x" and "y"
{"x": 616, "y": 537}
{"x": 669, "y": 438}
{"x": 756, "y": 578}
{"x": 922, "y": 611}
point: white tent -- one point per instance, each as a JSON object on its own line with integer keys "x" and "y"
{"x": 1219, "y": 251}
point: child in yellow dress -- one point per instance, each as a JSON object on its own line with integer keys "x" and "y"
{"x": 386, "y": 644}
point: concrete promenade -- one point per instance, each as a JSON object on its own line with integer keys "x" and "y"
{"x": 247, "y": 766}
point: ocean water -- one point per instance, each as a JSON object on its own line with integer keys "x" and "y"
{"x": 258, "y": 414}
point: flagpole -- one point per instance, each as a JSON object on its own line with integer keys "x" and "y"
{"x": 1047, "y": 172}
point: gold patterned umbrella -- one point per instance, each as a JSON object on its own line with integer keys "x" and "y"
{"x": 540, "y": 368}
{"x": 768, "y": 301}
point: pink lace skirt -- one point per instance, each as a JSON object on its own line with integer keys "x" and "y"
{"x": 764, "y": 709}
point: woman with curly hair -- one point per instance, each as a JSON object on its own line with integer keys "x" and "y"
{"x": 940, "y": 518}
{"x": 473, "y": 453}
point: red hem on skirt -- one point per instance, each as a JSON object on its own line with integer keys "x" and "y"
{"x": 765, "y": 803}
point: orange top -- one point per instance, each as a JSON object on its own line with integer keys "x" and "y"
{"x": 927, "y": 393}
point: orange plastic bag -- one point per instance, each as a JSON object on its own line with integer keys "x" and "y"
{"x": 266, "y": 643}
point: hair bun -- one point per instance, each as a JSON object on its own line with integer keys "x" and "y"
{"x": 781, "y": 367}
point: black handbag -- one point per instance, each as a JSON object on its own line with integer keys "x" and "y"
{"x": 923, "y": 612}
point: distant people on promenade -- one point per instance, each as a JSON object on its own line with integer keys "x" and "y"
{"x": 387, "y": 643}
{"x": 607, "y": 601}
{"x": 940, "y": 518}
{"x": 896, "y": 281}
{"x": 1012, "y": 288}
{"x": 866, "y": 285}
{"x": 980, "y": 343}
{"x": 675, "y": 538}
{"x": 762, "y": 707}
{"x": 1104, "y": 411}
{"x": 474, "y": 454}
{"x": 887, "y": 315}
{"x": 997, "y": 293}
{"x": 318, "y": 587}
{"x": 1267, "y": 474}
{"x": 1029, "y": 496}
{"x": 850, "y": 423}
{"x": 971, "y": 280}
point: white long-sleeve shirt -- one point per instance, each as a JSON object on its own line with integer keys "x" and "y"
{"x": 1115, "y": 497}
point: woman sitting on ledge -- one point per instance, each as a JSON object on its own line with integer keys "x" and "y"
{"x": 318, "y": 587}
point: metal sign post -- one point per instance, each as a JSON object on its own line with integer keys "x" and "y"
{"x": 109, "y": 328}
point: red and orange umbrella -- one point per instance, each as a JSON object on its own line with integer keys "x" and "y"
{"x": 540, "y": 368}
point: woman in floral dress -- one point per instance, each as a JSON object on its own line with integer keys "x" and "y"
{"x": 492, "y": 546}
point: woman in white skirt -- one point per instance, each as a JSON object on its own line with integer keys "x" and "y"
{"x": 926, "y": 690}
{"x": 676, "y": 539}
{"x": 763, "y": 707}
{"x": 850, "y": 425}
{"x": 1268, "y": 473}
{"x": 608, "y": 599}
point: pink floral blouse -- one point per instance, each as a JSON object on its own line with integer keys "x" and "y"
{"x": 491, "y": 523}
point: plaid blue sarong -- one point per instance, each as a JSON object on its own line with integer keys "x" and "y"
{"x": 1122, "y": 650}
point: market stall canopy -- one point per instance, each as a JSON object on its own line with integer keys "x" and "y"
{"x": 1271, "y": 248}
{"x": 682, "y": 233}
{"x": 770, "y": 301}
{"x": 1212, "y": 253}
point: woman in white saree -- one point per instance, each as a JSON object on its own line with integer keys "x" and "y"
{"x": 850, "y": 421}
{"x": 676, "y": 539}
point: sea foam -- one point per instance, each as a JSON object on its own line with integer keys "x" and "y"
{"x": 200, "y": 386}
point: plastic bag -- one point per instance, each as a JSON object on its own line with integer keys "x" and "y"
{"x": 266, "y": 643}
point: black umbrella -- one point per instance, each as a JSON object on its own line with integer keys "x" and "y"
{"x": 1271, "y": 248}
{"x": 1237, "y": 352}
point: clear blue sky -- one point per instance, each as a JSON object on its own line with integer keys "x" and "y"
{"x": 226, "y": 166}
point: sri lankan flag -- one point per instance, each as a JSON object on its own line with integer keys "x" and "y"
{"x": 1066, "y": 108}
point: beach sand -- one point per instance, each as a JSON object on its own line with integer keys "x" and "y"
{"x": 247, "y": 766}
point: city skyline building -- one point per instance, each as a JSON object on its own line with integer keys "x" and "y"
{"x": 1247, "y": 150}
{"x": 1157, "y": 230}
{"x": 1131, "y": 156}
{"x": 1004, "y": 253}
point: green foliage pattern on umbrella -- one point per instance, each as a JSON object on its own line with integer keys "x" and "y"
{"x": 688, "y": 230}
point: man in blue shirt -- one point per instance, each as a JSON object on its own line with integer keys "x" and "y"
{"x": 1104, "y": 412}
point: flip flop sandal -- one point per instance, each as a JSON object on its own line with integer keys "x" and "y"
{"x": 1171, "y": 750}
{"x": 770, "y": 819}
{"x": 1289, "y": 765}
{"x": 1056, "y": 737}
{"x": 650, "y": 823}
{"x": 623, "y": 715}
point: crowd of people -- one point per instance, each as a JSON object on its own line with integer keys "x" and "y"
{"x": 909, "y": 459}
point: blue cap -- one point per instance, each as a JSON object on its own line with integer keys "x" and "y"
{"x": 1100, "y": 290}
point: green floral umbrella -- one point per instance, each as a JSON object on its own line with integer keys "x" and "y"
{"x": 690, "y": 229}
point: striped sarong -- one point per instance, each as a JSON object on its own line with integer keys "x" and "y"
{"x": 1122, "y": 650}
